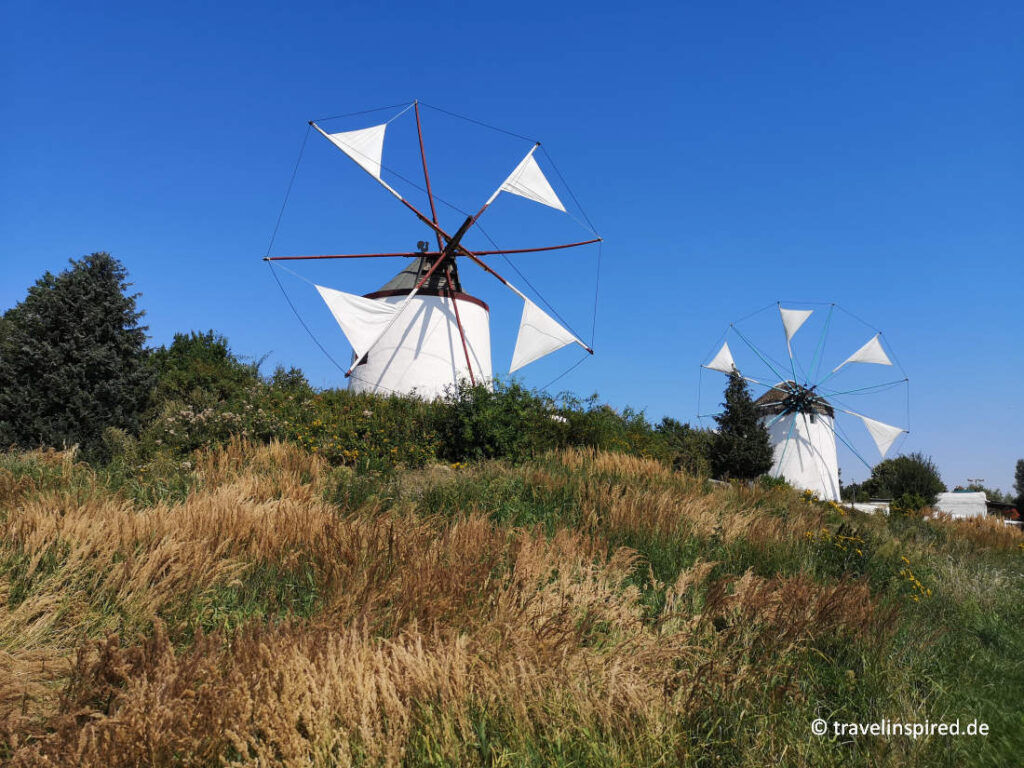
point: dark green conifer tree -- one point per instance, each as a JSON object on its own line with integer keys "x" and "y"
{"x": 741, "y": 448}
{"x": 1018, "y": 485}
{"x": 72, "y": 361}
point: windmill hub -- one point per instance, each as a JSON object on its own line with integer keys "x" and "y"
{"x": 791, "y": 397}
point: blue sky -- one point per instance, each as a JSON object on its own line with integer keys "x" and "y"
{"x": 732, "y": 155}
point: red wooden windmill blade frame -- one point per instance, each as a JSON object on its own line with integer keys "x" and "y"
{"x": 416, "y": 254}
{"x": 441, "y": 247}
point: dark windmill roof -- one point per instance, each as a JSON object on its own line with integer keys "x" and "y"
{"x": 774, "y": 401}
{"x": 413, "y": 272}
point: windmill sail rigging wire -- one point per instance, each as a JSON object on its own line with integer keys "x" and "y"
{"x": 288, "y": 191}
{"x": 405, "y": 104}
{"x": 589, "y": 224}
{"x": 533, "y": 287}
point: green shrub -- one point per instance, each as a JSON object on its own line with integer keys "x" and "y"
{"x": 514, "y": 423}
{"x": 206, "y": 396}
{"x": 362, "y": 431}
{"x": 199, "y": 370}
{"x": 596, "y": 425}
{"x": 689, "y": 449}
{"x": 905, "y": 476}
{"x": 508, "y": 421}
{"x": 908, "y": 503}
{"x": 768, "y": 482}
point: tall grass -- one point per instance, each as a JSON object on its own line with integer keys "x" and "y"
{"x": 255, "y": 605}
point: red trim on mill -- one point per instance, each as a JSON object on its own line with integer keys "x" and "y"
{"x": 444, "y": 294}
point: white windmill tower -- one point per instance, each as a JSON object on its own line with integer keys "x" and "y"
{"x": 421, "y": 332}
{"x": 803, "y": 409}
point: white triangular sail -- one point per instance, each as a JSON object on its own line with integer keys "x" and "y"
{"x": 365, "y": 146}
{"x": 883, "y": 434}
{"x": 871, "y": 352}
{"x": 792, "y": 319}
{"x": 527, "y": 180}
{"x": 539, "y": 335}
{"x": 723, "y": 360}
{"x": 362, "y": 320}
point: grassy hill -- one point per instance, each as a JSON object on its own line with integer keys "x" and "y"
{"x": 265, "y": 604}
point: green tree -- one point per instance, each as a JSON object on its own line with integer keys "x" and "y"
{"x": 911, "y": 481}
{"x": 689, "y": 449}
{"x": 199, "y": 369}
{"x": 741, "y": 448}
{"x": 1018, "y": 485}
{"x": 853, "y": 492}
{"x": 72, "y": 361}
{"x": 992, "y": 494}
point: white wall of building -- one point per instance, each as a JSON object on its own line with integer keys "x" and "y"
{"x": 423, "y": 352}
{"x": 807, "y": 459}
{"x": 962, "y": 504}
{"x": 871, "y": 507}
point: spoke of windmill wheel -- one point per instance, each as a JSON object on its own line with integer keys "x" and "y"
{"x": 828, "y": 376}
{"x": 774, "y": 421}
{"x": 762, "y": 384}
{"x": 758, "y": 352}
{"x": 838, "y": 404}
{"x": 897, "y": 382}
{"x": 816, "y": 360}
{"x": 538, "y": 250}
{"x": 842, "y": 366}
{"x": 479, "y": 262}
{"x": 836, "y": 432}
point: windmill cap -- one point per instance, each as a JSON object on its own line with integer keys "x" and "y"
{"x": 772, "y": 401}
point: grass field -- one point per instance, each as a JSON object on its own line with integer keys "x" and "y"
{"x": 254, "y": 605}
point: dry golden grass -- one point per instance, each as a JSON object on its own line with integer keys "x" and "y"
{"x": 335, "y": 695}
{"x": 421, "y": 622}
{"x": 642, "y": 495}
{"x": 983, "y": 532}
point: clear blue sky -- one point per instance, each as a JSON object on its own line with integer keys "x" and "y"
{"x": 732, "y": 154}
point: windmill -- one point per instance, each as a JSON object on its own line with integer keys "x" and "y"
{"x": 803, "y": 407}
{"x": 421, "y": 332}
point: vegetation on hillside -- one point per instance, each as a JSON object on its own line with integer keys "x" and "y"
{"x": 255, "y": 605}
{"x": 912, "y": 482}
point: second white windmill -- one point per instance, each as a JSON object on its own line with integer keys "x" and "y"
{"x": 802, "y": 407}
